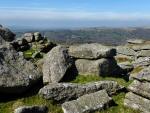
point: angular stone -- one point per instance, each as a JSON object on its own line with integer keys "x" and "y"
{"x": 125, "y": 50}
{"x": 140, "y": 88}
{"x": 101, "y": 67}
{"x": 88, "y": 103}
{"x": 16, "y": 74}
{"x": 31, "y": 109}
{"x": 56, "y": 64}
{"x": 91, "y": 51}
{"x": 68, "y": 91}
{"x": 137, "y": 102}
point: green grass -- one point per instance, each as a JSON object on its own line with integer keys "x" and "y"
{"x": 118, "y": 99}
{"x": 8, "y": 107}
{"x": 91, "y": 78}
{"x": 119, "y": 108}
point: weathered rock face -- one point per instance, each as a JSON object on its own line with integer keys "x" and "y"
{"x": 125, "y": 50}
{"x": 100, "y": 67}
{"x": 31, "y": 109}
{"x": 142, "y": 61}
{"x": 16, "y": 74}
{"x": 29, "y": 37}
{"x": 143, "y": 53}
{"x": 91, "y": 51}
{"x": 140, "y": 88}
{"x": 56, "y": 64}
{"x": 68, "y": 91}
{"x": 100, "y": 101}
{"x": 141, "y": 47}
{"x": 38, "y": 36}
{"x": 144, "y": 75}
{"x": 6, "y": 35}
{"x": 137, "y": 102}
{"x": 126, "y": 67}
{"x": 139, "y": 95}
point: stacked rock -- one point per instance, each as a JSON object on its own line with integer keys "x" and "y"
{"x": 32, "y": 40}
{"x": 139, "y": 96}
{"x": 94, "y": 59}
{"x": 136, "y": 50}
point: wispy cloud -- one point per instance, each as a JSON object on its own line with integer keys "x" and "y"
{"x": 53, "y": 14}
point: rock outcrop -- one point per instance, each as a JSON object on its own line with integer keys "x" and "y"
{"x": 100, "y": 101}
{"x": 31, "y": 109}
{"x": 33, "y": 41}
{"x": 16, "y": 74}
{"x": 6, "y": 35}
{"x": 94, "y": 59}
{"x": 68, "y": 91}
{"x": 139, "y": 98}
{"x": 56, "y": 64}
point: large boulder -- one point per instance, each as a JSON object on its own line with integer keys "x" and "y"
{"x": 16, "y": 74}
{"x": 91, "y": 51}
{"x": 6, "y": 35}
{"x": 140, "y": 88}
{"x": 88, "y": 103}
{"x": 68, "y": 91}
{"x": 56, "y": 64}
{"x": 31, "y": 109}
{"x": 101, "y": 67}
{"x": 137, "y": 102}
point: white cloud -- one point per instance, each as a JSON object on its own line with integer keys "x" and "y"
{"x": 53, "y": 14}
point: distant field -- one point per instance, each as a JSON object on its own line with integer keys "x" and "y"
{"x": 110, "y": 36}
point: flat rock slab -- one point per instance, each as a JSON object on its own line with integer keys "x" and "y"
{"x": 99, "y": 67}
{"x": 141, "y": 47}
{"x": 137, "y": 102}
{"x": 142, "y": 61}
{"x": 68, "y": 91}
{"x": 16, "y": 74}
{"x": 91, "y": 51}
{"x": 143, "y": 53}
{"x": 88, "y": 103}
{"x": 144, "y": 75}
{"x": 140, "y": 88}
{"x": 56, "y": 64}
{"x": 125, "y": 50}
{"x": 31, "y": 109}
{"x": 135, "y": 41}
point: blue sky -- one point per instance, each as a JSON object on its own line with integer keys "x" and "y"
{"x": 75, "y": 13}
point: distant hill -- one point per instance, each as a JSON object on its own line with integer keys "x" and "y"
{"x": 111, "y": 36}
